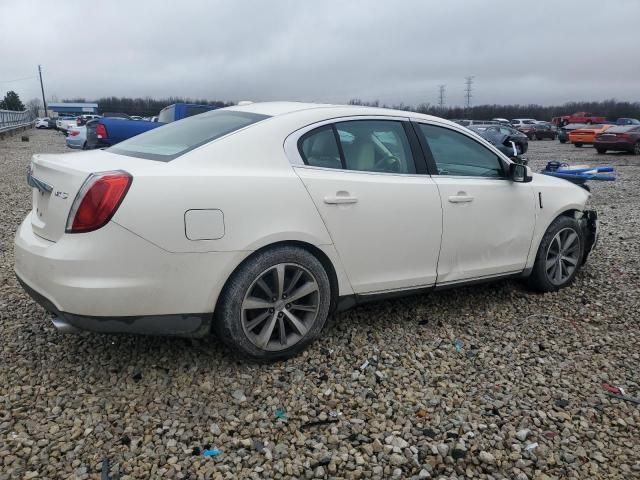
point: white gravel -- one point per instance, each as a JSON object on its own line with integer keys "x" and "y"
{"x": 521, "y": 399}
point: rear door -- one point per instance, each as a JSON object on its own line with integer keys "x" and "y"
{"x": 488, "y": 220}
{"x": 382, "y": 212}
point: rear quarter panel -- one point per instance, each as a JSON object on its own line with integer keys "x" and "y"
{"x": 246, "y": 175}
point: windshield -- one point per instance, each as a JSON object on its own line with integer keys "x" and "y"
{"x": 177, "y": 138}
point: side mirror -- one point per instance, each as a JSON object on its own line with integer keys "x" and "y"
{"x": 520, "y": 173}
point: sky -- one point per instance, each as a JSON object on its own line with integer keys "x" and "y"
{"x": 400, "y": 51}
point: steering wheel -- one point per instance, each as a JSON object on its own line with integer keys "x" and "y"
{"x": 388, "y": 164}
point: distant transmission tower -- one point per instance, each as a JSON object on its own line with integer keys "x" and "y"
{"x": 467, "y": 91}
{"x": 441, "y": 96}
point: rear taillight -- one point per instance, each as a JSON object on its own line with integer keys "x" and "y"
{"x": 74, "y": 133}
{"x": 97, "y": 201}
{"x": 101, "y": 131}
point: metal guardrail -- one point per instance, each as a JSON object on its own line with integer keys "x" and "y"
{"x": 10, "y": 119}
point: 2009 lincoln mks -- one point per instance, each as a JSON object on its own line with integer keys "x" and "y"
{"x": 257, "y": 221}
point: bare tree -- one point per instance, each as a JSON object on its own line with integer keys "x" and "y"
{"x": 33, "y": 106}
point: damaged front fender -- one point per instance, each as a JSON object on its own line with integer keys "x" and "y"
{"x": 591, "y": 231}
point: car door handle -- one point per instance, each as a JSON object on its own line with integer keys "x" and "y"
{"x": 341, "y": 198}
{"x": 460, "y": 198}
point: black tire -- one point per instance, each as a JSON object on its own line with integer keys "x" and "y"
{"x": 636, "y": 149}
{"x": 562, "y": 140}
{"x": 540, "y": 279}
{"x": 601, "y": 151}
{"x": 228, "y": 317}
{"x": 577, "y": 145}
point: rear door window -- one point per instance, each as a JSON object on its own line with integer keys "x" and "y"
{"x": 359, "y": 145}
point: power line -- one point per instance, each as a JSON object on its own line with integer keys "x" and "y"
{"x": 17, "y": 80}
{"x": 469, "y": 84}
{"x": 441, "y": 96}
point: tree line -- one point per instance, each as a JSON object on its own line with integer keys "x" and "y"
{"x": 610, "y": 109}
{"x": 145, "y": 107}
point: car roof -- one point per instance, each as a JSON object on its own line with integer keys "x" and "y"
{"x": 275, "y": 109}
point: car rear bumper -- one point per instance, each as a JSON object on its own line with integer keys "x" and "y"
{"x": 622, "y": 146}
{"x": 112, "y": 280}
{"x": 194, "y": 324}
{"x": 73, "y": 142}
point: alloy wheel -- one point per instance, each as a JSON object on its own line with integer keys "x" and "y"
{"x": 563, "y": 256}
{"x": 280, "y": 306}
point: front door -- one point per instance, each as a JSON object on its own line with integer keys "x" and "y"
{"x": 488, "y": 220}
{"x": 384, "y": 218}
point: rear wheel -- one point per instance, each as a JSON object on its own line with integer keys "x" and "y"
{"x": 601, "y": 151}
{"x": 577, "y": 145}
{"x": 559, "y": 255}
{"x": 275, "y": 304}
{"x": 636, "y": 148}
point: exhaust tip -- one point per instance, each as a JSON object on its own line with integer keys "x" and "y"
{"x": 63, "y": 326}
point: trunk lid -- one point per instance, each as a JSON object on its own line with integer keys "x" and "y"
{"x": 56, "y": 180}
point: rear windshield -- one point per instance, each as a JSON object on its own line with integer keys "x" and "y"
{"x": 177, "y": 138}
{"x": 622, "y": 129}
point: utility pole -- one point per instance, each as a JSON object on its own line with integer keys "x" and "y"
{"x": 42, "y": 88}
{"x": 441, "y": 97}
{"x": 469, "y": 84}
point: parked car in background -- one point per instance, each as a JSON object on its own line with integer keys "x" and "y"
{"x": 622, "y": 138}
{"x": 466, "y": 123}
{"x": 627, "y": 121}
{"x": 579, "y": 117}
{"x": 501, "y": 137}
{"x": 544, "y": 130}
{"x": 563, "y": 132}
{"x": 42, "y": 122}
{"x": 65, "y": 123}
{"x": 259, "y": 221}
{"x": 501, "y": 121}
{"x": 77, "y": 137}
{"x": 521, "y": 122}
{"x": 587, "y": 134}
{"x": 528, "y": 129}
{"x": 83, "y": 119}
{"x": 108, "y": 131}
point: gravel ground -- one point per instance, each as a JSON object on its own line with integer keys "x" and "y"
{"x": 482, "y": 382}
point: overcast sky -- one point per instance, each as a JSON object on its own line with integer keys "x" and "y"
{"x": 330, "y": 51}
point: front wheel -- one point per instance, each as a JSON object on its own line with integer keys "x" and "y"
{"x": 274, "y": 304}
{"x": 601, "y": 151}
{"x": 636, "y": 148}
{"x": 577, "y": 145}
{"x": 559, "y": 255}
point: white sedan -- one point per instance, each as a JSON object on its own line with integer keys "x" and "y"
{"x": 258, "y": 221}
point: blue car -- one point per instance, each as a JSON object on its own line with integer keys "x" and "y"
{"x": 113, "y": 129}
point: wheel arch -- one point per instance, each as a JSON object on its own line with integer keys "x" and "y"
{"x": 317, "y": 252}
{"x": 569, "y": 211}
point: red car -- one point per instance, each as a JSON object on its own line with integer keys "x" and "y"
{"x": 579, "y": 117}
{"x": 624, "y": 138}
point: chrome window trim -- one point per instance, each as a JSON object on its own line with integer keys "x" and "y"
{"x": 295, "y": 159}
